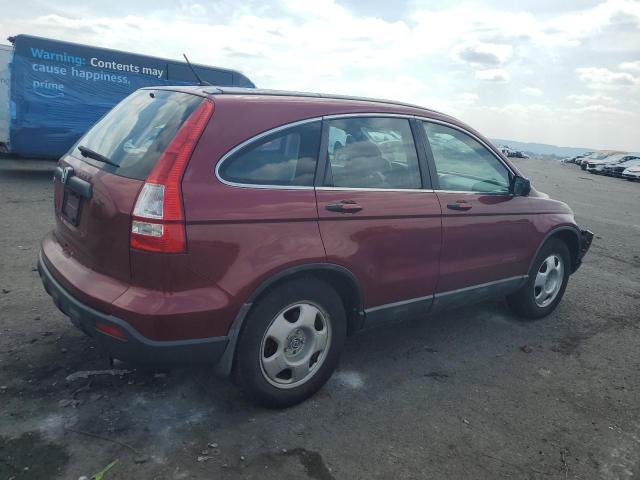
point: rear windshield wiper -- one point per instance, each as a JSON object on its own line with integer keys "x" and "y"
{"x": 87, "y": 152}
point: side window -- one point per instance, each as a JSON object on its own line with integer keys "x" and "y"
{"x": 287, "y": 158}
{"x": 463, "y": 164}
{"x": 372, "y": 152}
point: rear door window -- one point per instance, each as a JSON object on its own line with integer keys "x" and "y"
{"x": 372, "y": 152}
{"x": 284, "y": 158}
{"x": 137, "y": 131}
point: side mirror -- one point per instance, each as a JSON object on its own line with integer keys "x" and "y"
{"x": 520, "y": 187}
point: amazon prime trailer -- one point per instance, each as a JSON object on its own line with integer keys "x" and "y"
{"x": 57, "y": 90}
{"x": 6, "y": 53}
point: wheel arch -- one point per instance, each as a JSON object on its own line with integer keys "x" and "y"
{"x": 341, "y": 278}
{"x": 570, "y": 235}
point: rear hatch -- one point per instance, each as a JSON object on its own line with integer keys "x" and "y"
{"x": 99, "y": 179}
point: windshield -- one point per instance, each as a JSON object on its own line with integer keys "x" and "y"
{"x": 136, "y": 132}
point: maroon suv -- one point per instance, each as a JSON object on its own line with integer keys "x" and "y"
{"x": 258, "y": 229}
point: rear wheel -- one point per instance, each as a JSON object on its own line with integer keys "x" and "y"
{"x": 546, "y": 284}
{"x": 291, "y": 342}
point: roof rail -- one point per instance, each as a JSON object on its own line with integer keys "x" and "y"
{"x": 291, "y": 93}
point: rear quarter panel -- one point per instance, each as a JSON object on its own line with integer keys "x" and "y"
{"x": 238, "y": 237}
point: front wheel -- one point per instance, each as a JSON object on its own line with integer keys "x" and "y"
{"x": 291, "y": 342}
{"x": 546, "y": 284}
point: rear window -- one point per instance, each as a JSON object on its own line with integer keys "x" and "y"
{"x": 137, "y": 131}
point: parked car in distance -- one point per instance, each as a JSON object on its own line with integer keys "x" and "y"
{"x": 505, "y": 149}
{"x": 632, "y": 173}
{"x": 257, "y": 229}
{"x": 582, "y": 162}
{"x": 595, "y": 156}
{"x": 597, "y": 166}
{"x": 518, "y": 154}
{"x": 616, "y": 169}
{"x": 577, "y": 158}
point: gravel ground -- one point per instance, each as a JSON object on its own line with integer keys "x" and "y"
{"x": 473, "y": 393}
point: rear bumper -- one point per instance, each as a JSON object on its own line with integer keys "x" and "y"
{"x": 586, "y": 237}
{"x": 133, "y": 347}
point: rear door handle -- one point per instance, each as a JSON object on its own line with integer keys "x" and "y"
{"x": 459, "y": 205}
{"x": 345, "y": 206}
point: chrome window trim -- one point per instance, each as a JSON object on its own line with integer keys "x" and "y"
{"x": 471, "y": 192}
{"x": 350, "y": 115}
{"x": 253, "y": 139}
{"x": 365, "y": 189}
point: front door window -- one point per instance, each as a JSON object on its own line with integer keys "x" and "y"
{"x": 464, "y": 164}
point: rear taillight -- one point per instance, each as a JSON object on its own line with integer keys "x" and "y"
{"x": 158, "y": 223}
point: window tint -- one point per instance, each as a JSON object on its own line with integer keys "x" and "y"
{"x": 372, "y": 153}
{"x": 463, "y": 164}
{"x": 137, "y": 131}
{"x": 288, "y": 157}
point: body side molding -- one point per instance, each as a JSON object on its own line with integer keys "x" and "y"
{"x": 414, "y": 307}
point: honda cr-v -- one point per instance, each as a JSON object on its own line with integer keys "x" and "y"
{"x": 256, "y": 230}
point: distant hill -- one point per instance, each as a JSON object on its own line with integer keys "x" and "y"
{"x": 542, "y": 148}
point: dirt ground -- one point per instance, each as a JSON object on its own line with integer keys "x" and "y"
{"x": 473, "y": 393}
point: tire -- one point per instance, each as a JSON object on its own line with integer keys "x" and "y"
{"x": 542, "y": 293}
{"x": 299, "y": 324}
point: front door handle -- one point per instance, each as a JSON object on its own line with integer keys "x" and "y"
{"x": 461, "y": 205}
{"x": 345, "y": 206}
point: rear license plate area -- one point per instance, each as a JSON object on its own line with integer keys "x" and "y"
{"x": 71, "y": 206}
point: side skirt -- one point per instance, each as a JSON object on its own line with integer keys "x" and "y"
{"x": 417, "y": 307}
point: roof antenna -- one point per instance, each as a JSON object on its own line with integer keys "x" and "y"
{"x": 195, "y": 74}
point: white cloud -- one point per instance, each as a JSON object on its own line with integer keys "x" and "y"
{"x": 592, "y": 99}
{"x": 497, "y": 75}
{"x": 194, "y": 9}
{"x": 602, "y": 109}
{"x": 534, "y": 92}
{"x": 484, "y": 53}
{"x": 569, "y": 30}
{"x": 599, "y": 77}
{"x": 631, "y": 66}
{"x": 468, "y": 98}
{"x": 433, "y": 56}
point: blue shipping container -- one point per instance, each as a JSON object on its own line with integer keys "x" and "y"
{"x": 60, "y": 89}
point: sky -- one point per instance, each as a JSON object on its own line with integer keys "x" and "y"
{"x": 564, "y": 72}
